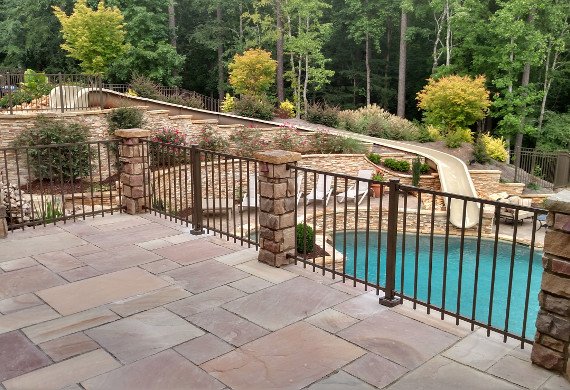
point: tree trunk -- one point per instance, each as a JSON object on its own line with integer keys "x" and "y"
{"x": 221, "y": 91}
{"x": 172, "y": 23}
{"x": 447, "y": 35}
{"x": 387, "y": 66}
{"x": 367, "y": 69}
{"x": 524, "y": 83}
{"x": 306, "y": 84}
{"x": 547, "y": 84}
{"x": 402, "y": 66}
{"x": 279, "y": 50}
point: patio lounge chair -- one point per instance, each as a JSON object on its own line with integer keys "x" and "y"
{"x": 509, "y": 214}
{"x": 250, "y": 199}
{"x": 322, "y": 190}
{"x": 351, "y": 193}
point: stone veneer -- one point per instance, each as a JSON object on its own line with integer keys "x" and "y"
{"x": 552, "y": 341}
{"x": 3, "y": 223}
{"x": 132, "y": 179}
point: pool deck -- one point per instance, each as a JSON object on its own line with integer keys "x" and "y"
{"x": 136, "y": 302}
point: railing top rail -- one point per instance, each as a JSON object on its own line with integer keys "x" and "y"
{"x": 8, "y": 148}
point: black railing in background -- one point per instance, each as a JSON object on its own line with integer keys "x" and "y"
{"x": 539, "y": 169}
{"x": 45, "y": 184}
{"x": 41, "y": 92}
{"x": 211, "y": 191}
{"x": 403, "y": 244}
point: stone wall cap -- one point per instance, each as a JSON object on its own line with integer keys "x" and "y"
{"x": 558, "y": 203}
{"x": 277, "y": 156}
{"x": 132, "y": 133}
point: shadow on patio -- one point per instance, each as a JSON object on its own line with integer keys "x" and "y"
{"x": 136, "y": 302}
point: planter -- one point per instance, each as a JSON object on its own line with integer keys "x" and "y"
{"x": 377, "y": 190}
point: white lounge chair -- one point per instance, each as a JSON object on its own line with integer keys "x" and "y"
{"x": 250, "y": 199}
{"x": 322, "y": 190}
{"x": 351, "y": 193}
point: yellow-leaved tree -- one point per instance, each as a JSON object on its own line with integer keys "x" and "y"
{"x": 93, "y": 37}
{"x": 252, "y": 73}
{"x": 453, "y": 103}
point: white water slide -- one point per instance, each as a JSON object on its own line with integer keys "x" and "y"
{"x": 453, "y": 175}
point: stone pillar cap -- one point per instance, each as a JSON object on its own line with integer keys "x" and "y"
{"x": 277, "y": 156}
{"x": 559, "y": 202}
{"x": 132, "y": 133}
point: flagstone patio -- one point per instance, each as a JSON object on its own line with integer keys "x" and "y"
{"x": 136, "y": 302}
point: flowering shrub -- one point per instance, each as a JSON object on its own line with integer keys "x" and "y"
{"x": 254, "y": 107}
{"x": 168, "y": 149}
{"x": 286, "y": 110}
{"x": 229, "y": 103}
{"x": 322, "y": 114}
{"x": 289, "y": 139}
{"x": 378, "y": 122}
{"x": 248, "y": 141}
{"x": 210, "y": 140}
{"x": 326, "y": 143}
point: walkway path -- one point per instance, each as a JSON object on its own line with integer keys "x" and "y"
{"x": 125, "y": 302}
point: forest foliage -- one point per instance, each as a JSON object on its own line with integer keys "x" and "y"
{"x": 346, "y": 53}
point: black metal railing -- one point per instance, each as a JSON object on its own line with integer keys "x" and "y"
{"x": 44, "y": 184}
{"x": 485, "y": 271}
{"x": 541, "y": 169}
{"x": 39, "y": 92}
{"x": 175, "y": 95}
{"x": 211, "y": 191}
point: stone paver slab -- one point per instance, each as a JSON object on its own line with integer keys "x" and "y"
{"x": 285, "y": 303}
{"x": 26, "y": 317}
{"x": 19, "y": 356}
{"x": 82, "y": 250}
{"x": 143, "y": 334}
{"x": 160, "y": 266}
{"x": 66, "y": 325}
{"x": 154, "y": 244}
{"x": 556, "y": 382}
{"x": 290, "y": 358}
{"x": 180, "y": 238}
{"x": 68, "y": 346}
{"x": 131, "y": 235}
{"x": 192, "y": 252}
{"x": 203, "y": 348}
{"x": 441, "y": 373}
{"x": 398, "y": 338}
{"x": 238, "y": 257}
{"x": 361, "y": 306}
{"x": 119, "y": 258}
{"x": 36, "y": 244}
{"x": 227, "y": 326}
{"x": 76, "y": 274}
{"x": 375, "y": 370}
{"x": 204, "y": 301}
{"x": 205, "y": 275}
{"x": 520, "y": 372}
{"x": 251, "y": 284}
{"x": 174, "y": 373}
{"x": 100, "y": 290}
{"x": 340, "y": 381}
{"x": 13, "y": 265}
{"x": 65, "y": 373}
{"x": 59, "y": 261}
{"x": 27, "y": 280}
{"x": 478, "y": 351}
{"x": 148, "y": 301}
{"x": 20, "y": 302}
{"x": 331, "y": 320}
{"x": 263, "y": 271}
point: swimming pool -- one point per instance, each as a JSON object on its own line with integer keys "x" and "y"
{"x": 463, "y": 305}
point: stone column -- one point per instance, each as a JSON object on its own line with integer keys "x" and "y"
{"x": 3, "y": 223}
{"x": 276, "y": 206}
{"x": 552, "y": 340}
{"x": 131, "y": 152}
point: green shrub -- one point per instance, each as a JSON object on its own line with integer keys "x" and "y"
{"x": 209, "y": 139}
{"x": 397, "y": 165}
{"x": 456, "y": 138}
{"x": 418, "y": 169}
{"x": 35, "y": 86}
{"x": 145, "y": 88}
{"x": 248, "y": 141}
{"x": 305, "y": 238}
{"x": 555, "y": 134}
{"x": 375, "y": 158}
{"x": 254, "y": 107}
{"x": 335, "y": 144}
{"x": 495, "y": 148}
{"x": 376, "y": 122}
{"x": 185, "y": 99}
{"x": 480, "y": 152}
{"x": 57, "y": 163}
{"x": 228, "y": 104}
{"x": 125, "y": 118}
{"x": 429, "y": 133}
{"x": 425, "y": 169}
{"x": 322, "y": 114}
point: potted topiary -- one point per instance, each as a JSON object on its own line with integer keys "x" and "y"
{"x": 377, "y": 187}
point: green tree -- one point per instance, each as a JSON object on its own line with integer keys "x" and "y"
{"x": 93, "y": 37}
{"x": 253, "y": 72}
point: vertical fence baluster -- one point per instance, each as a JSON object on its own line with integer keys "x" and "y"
{"x": 197, "y": 228}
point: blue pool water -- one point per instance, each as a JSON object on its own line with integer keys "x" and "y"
{"x": 464, "y": 305}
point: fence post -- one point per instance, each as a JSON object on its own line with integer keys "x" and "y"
{"x": 517, "y": 161}
{"x": 9, "y": 86}
{"x": 100, "y": 82}
{"x": 197, "y": 211}
{"x": 562, "y": 170}
{"x": 61, "y": 97}
{"x": 132, "y": 179}
{"x": 391, "y": 244}
{"x": 277, "y": 201}
{"x": 551, "y": 348}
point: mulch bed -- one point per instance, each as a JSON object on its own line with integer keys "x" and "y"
{"x": 317, "y": 252}
{"x": 56, "y": 187}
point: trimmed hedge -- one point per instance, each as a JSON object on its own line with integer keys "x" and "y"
{"x": 397, "y": 165}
